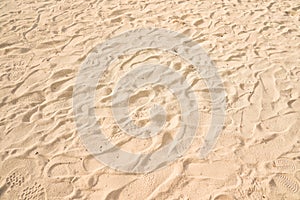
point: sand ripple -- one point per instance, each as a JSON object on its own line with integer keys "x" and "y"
{"x": 255, "y": 46}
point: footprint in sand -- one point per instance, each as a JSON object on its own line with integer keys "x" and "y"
{"x": 286, "y": 165}
{"x": 20, "y": 182}
{"x": 285, "y": 182}
{"x": 16, "y": 67}
{"x": 16, "y": 178}
{"x": 17, "y": 70}
{"x": 34, "y": 191}
{"x": 58, "y": 174}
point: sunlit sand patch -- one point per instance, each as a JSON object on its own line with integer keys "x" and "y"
{"x": 255, "y": 46}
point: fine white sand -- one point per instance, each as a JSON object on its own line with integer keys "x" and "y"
{"x": 253, "y": 44}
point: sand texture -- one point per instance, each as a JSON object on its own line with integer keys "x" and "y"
{"x": 255, "y": 47}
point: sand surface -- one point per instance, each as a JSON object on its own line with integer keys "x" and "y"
{"x": 255, "y": 45}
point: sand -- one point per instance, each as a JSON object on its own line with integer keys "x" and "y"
{"x": 255, "y": 48}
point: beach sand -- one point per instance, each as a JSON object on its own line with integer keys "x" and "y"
{"x": 255, "y": 45}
